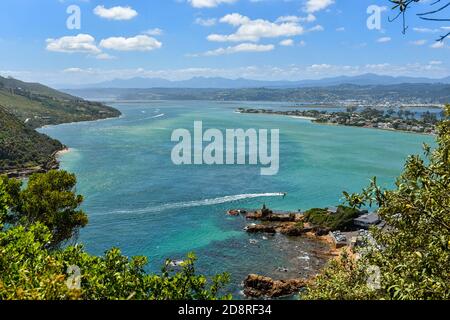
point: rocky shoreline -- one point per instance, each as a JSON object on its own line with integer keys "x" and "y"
{"x": 291, "y": 225}
{"x": 21, "y": 173}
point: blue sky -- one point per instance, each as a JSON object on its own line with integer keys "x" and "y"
{"x": 180, "y": 39}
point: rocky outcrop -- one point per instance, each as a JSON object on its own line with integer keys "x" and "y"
{"x": 52, "y": 164}
{"x": 256, "y": 286}
{"x": 293, "y": 230}
{"x": 268, "y": 215}
{"x": 260, "y": 228}
{"x": 319, "y": 231}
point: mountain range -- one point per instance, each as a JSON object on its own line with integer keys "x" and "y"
{"x": 224, "y": 83}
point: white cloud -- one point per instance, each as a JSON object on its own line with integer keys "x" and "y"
{"x": 438, "y": 45}
{"x": 137, "y": 43}
{"x": 115, "y": 13}
{"x": 243, "y": 47}
{"x": 104, "y": 56}
{"x": 235, "y": 19}
{"x": 340, "y": 29}
{"x": 208, "y": 3}
{"x": 80, "y": 43}
{"x": 73, "y": 70}
{"x": 316, "y": 28}
{"x": 312, "y": 6}
{"x": 425, "y": 30}
{"x": 384, "y": 39}
{"x": 287, "y": 43}
{"x": 419, "y": 42}
{"x": 266, "y": 72}
{"x": 206, "y": 22}
{"x": 254, "y": 30}
{"x": 296, "y": 19}
{"x": 153, "y": 32}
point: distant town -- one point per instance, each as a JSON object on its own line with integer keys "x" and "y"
{"x": 368, "y": 117}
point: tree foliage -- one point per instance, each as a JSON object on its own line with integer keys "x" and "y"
{"x": 48, "y": 198}
{"x": 413, "y": 252}
{"x": 32, "y": 266}
{"x": 342, "y": 219}
{"x": 21, "y": 147}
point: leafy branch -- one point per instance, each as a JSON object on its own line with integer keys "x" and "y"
{"x": 437, "y": 7}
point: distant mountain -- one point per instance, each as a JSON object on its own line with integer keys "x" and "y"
{"x": 390, "y": 94}
{"x": 39, "y": 105}
{"x": 223, "y": 83}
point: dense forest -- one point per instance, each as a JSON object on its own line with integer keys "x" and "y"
{"x": 22, "y": 146}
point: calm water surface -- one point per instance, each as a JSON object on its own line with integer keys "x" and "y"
{"x": 139, "y": 201}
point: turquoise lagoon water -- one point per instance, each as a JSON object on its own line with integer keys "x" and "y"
{"x": 141, "y": 202}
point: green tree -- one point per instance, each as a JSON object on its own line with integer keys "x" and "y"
{"x": 413, "y": 252}
{"x": 3, "y": 203}
{"x": 28, "y": 270}
{"x": 50, "y": 199}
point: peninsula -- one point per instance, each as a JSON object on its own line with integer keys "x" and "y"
{"x": 390, "y": 119}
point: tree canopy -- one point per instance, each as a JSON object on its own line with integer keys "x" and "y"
{"x": 47, "y": 198}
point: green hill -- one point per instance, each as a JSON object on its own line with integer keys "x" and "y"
{"x": 26, "y": 106}
{"x": 22, "y": 148}
{"x": 38, "y": 105}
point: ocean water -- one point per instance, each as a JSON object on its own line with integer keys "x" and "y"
{"x": 138, "y": 200}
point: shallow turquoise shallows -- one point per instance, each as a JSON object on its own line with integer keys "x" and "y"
{"x": 138, "y": 200}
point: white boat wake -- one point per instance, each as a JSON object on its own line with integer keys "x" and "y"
{"x": 147, "y": 118}
{"x": 198, "y": 203}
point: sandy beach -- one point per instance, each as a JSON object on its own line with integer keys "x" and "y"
{"x": 63, "y": 152}
{"x": 303, "y": 118}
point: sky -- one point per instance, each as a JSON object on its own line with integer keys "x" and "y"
{"x": 71, "y": 42}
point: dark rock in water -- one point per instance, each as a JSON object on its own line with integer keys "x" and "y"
{"x": 318, "y": 231}
{"x": 259, "y": 286}
{"x": 257, "y": 228}
{"x": 265, "y": 215}
{"x": 292, "y": 230}
{"x": 280, "y": 217}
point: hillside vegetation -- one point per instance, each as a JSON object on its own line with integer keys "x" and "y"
{"x": 26, "y": 106}
{"x": 38, "y": 105}
{"x": 23, "y": 147}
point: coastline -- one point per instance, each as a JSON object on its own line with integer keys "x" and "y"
{"x": 314, "y": 120}
{"x": 53, "y": 162}
{"x": 62, "y": 152}
{"x": 303, "y": 118}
